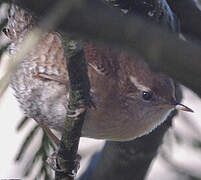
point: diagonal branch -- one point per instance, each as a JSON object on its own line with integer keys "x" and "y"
{"x": 79, "y": 99}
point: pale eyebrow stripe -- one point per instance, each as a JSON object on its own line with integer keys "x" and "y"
{"x": 138, "y": 84}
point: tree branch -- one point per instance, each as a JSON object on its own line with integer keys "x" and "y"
{"x": 79, "y": 93}
{"x": 79, "y": 98}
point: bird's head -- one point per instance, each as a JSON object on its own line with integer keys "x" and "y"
{"x": 148, "y": 96}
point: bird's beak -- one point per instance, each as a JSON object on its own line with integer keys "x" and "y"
{"x": 182, "y": 107}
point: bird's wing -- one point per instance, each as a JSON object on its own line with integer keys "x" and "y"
{"x": 101, "y": 59}
{"x": 50, "y": 59}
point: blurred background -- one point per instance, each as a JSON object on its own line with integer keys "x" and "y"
{"x": 24, "y": 145}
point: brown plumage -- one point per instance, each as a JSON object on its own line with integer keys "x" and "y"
{"x": 130, "y": 99}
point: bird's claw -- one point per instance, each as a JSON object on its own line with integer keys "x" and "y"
{"x": 52, "y": 162}
{"x": 76, "y": 113}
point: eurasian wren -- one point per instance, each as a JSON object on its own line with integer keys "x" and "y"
{"x": 130, "y": 99}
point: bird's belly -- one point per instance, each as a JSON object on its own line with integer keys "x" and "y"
{"x": 44, "y": 101}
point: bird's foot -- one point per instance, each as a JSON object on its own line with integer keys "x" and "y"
{"x": 75, "y": 113}
{"x": 53, "y": 163}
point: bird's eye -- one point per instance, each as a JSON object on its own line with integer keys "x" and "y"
{"x": 5, "y": 31}
{"x": 146, "y": 95}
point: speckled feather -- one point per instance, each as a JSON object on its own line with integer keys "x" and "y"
{"x": 42, "y": 75}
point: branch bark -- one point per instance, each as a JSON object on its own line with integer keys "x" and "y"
{"x": 67, "y": 157}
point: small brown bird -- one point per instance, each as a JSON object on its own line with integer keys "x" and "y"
{"x": 130, "y": 99}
